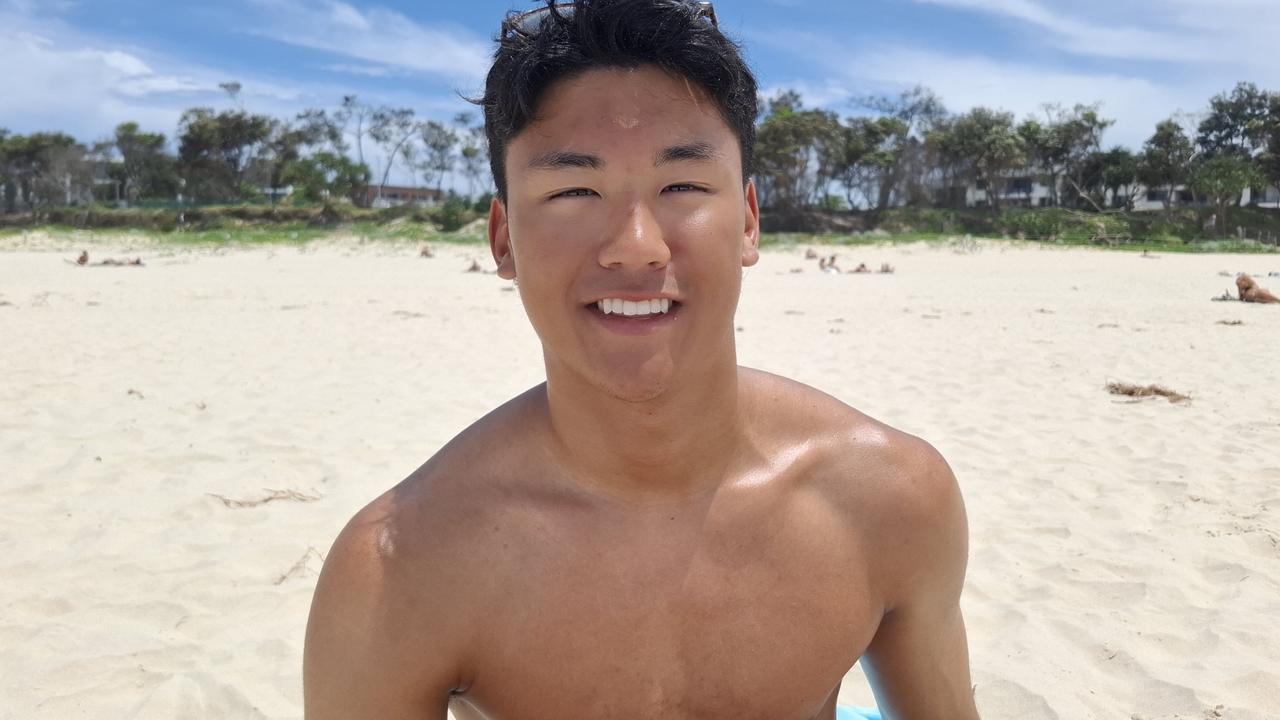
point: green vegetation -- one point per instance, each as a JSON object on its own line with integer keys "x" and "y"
{"x": 902, "y": 166}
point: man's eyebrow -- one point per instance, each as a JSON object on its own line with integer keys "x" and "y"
{"x": 696, "y": 151}
{"x": 561, "y": 159}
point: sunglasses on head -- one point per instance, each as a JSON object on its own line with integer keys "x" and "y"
{"x": 528, "y": 23}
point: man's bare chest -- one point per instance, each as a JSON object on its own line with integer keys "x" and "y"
{"x": 741, "y": 622}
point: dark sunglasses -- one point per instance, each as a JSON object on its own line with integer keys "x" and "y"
{"x": 527, "y": 23}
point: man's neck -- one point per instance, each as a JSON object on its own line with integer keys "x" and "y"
{"x": 674, "y": 446}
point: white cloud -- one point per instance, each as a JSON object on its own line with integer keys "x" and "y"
{"x": 84, "y": 91}
{"x": 377, "y": 35}
{"x": 1143, "y": 64}
{"x": 378, "y": 71}
{"x": 965, "y": 82}
{"x": 1235, "y": 33}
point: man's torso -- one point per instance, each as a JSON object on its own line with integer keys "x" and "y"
{"x": 749, "y": 602}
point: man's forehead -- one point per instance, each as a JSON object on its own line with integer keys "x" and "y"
{"x": 623, "y": 98}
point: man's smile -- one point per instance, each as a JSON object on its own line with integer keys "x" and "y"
{"x": 634, "y": 316}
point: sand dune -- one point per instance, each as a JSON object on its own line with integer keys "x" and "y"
{"x": 182, "y": 441}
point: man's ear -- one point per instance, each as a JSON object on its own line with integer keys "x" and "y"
{"x": 500, "y": 240}
{"x": 751, "y": 228}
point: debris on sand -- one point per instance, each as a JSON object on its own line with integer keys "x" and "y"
{"x": 271, "y": 496}
{"x": 1140, "y": 391}
{"x": 1231, "y": 322}
{"x": 301, "y": 567}
{"x": 475, "y": 267}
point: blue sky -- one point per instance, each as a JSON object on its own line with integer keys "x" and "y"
{"x": 82, "y": 66}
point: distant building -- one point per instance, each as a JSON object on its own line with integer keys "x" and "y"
{"x": 1030, "y": 191}
{"x": 1012, "y": 191}
{"x": 397, "y": 195}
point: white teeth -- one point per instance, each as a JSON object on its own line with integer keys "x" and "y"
{"x": 632, "y": 308}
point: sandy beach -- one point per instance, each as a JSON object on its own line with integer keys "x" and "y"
{"x": 182, "y": 441}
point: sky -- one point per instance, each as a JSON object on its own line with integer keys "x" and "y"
{"x": 83, "y": 66}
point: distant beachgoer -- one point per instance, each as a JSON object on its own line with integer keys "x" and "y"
{"x": 655, "y": 531}
{"x": 862, "y": 268}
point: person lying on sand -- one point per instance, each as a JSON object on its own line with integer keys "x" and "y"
{"x": 654, "y": 532}
{"x": 83, "y": 259}
{"x": 1251, "y": 292}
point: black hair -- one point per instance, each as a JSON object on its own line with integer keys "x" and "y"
{"x": 568, "y": 39}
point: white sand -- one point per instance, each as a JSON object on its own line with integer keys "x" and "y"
{"x": 1125, "y": 558}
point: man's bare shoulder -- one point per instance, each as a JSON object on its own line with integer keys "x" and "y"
{"x": 402, "y": 575}
{"x": 893, "y": 487}
{"x": 867, "y": 452}
{"x": 443, "y": 510}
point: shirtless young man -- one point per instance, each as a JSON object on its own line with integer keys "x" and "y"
{"x": 655, "y": 532}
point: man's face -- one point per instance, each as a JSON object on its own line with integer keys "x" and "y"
{"x": 627, "y": 187}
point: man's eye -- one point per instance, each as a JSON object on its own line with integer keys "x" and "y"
{"x": 576, "y": 192}
{"x": 683, "y": 187}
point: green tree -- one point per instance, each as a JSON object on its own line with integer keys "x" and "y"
{"x": 324, "y": 176}
{"x": 867, "y": 155}
{"x": 1269, "y": 158}
{"x": 1165, "y": 160}
{"x": 1080, "y": 133}
{"x": 145, "y": 169}
{"x": 797, "y": 153}
{"x": 473, "y": 154}
{"x": 217, "y": 151}
{"x": 1046, "y": 149}
{"x": 42, "y": 169}
{"x": 917, "y": 111}
{"x": 984, "y": 144}
{"x": 355, "y": 118}
{"x": 392, "y": 129}
{"x": 289, "y": 141}
{"x": 439, "y": 145}
{"x": 1222, "y": 179}
{"x": 1120, "y": 175}
{"x": 1237, "y": 122}
{"x": 8, "y": 175}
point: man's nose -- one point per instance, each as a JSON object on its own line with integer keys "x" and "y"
{"x": 636, "y": 241}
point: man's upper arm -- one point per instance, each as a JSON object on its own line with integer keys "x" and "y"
{"x": 918, "y": 661}
{"x": 376, "y": 645}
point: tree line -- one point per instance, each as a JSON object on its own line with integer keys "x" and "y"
{"x": 901, "y": 150}
{"x": 908, "y": 150}
{"x": 235, "y": 156}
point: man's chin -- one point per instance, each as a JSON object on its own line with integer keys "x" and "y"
{"x": 633, "y": 390}
{"x": 640, "y": 385}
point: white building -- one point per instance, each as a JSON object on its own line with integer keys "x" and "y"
{"x": 1030, "y": 191}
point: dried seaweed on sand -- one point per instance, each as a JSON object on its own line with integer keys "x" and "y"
{"x": 271, "y": 496}
{"x": 1146, "y": 391}
{"x": 300, "y": 567}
